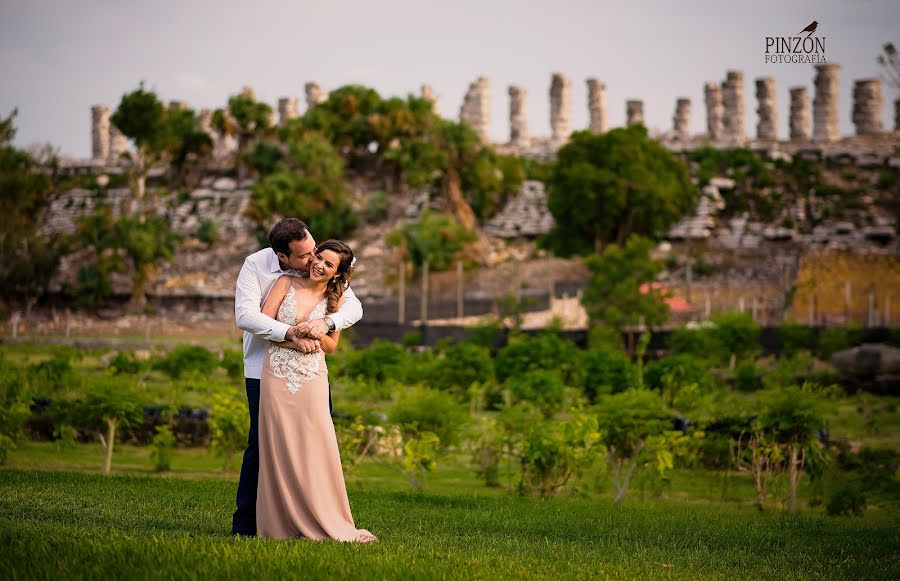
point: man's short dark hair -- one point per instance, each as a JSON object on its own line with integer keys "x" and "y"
{"x": 286, "y": 231}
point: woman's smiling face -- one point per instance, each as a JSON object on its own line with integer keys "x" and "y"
{"x": 324, "y": 265}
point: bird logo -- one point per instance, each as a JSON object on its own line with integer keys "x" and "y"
{"x": 811, "y": 28}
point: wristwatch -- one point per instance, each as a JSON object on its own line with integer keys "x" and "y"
{"x": 331, "y": 327}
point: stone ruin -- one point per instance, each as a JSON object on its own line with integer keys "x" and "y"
{"x": 518, "y": 118}
{"x": 634, "y": 112}
{"x": 809, "y": 128}
{"x": 681, "y": 121}
{"x": 287, "y": 110}
{"x": 560, "y": 108}
{"x": 712, "y": 95}
{"x": 597, "y": 106}
{"x": 799, "y": 121}
{"x": 825, "y": 112}
{"x": 867, "y": 102}
{"x": 733, "y": 108}
{"x": 765, "y": 97}
{"x": 526, "y": 214}
{"x": 314, "y": 95}
{"x": 476, "y": 108}
{"x": 427, "y": 93}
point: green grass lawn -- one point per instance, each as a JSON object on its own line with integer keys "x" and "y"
{"x": 71, "y": 525}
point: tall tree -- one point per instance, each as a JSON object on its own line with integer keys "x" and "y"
{"x": 606, "y": 187}
{"x": 28, "y": 259}
{"x": 246, "y": 119}
{"x": 621, "y": 291}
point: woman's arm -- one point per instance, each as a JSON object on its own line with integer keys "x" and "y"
{"x": 330, "y": 341}
{"x": 270, "y": 309}
{"x": 276, "y": 296}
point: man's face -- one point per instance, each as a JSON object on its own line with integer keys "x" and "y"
{"x": 302, "y": 252}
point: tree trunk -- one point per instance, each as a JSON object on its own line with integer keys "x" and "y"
{"x": 795, "y": 471}
{"x": 108, "y": 445}
{"x": 452, "y": 190}
{"x": 623, "y": 485}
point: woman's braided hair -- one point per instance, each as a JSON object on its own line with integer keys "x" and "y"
{"x": 334, "y": 289}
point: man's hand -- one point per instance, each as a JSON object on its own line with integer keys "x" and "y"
{"x": 298, "y": 331}
{"x": 316, "y": 328}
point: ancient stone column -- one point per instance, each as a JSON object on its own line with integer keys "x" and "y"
{"x": 287, "y": 109}
{"x": 825, "y": 103}
{"x": 597, "y": 106}
{"x": 712, "y": 95}
{"x": 100, "y": 132}
{"x": 427, "y": 93}
{"x": 118, "y": 143}
{"x": 765, "y": 98}
{"x": 733, "y": 103}
{"x": 799, "y": 121}
{"x": 314, "y": 95}
{"x": 518, "y": 118}
{"x": 204, "y": 120}
{"x": 634, "y": 112}
{"x": 560, "y": 108}
{"x": 868, "y": 99}
{"x": 681, "y": 122}
{"x": 476, "y": 107}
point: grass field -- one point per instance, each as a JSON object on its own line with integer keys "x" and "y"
{"x": 72, "y": 525}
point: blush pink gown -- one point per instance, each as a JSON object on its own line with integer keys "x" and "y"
{"x": 301, "y": 485}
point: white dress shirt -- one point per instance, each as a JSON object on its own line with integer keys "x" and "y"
{"x": 260, "y": 271}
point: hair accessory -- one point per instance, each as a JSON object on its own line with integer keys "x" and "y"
{"x": 353, "y": 262}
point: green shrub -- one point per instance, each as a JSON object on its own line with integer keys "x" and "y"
{"x": 125, "y": 363}
{"x": 847, "y": 499}
{"x": 161, "y": 448}
{"x": 542, "y": 387}
{"x": 233, "y": 363}
{"x": 679, "y": 369}
{"x": 544, "y": 351}
{"x": 379, "y": 361}
{"x": 377, "y": 206}
{"x": 485, "y": 334}
{"x": 435, "y": 237}
{"x": 208, "y": 232}
{"x": 112, "y": 402}
{"x": 834, "y": 339}
{"x": 793, "y": 338}
{"x": 229, "y": 424}
{"x": 554, "y": 453}
{"x": 697, "y": 342}
{"x": 607, "y": 371}
{"x": 188, "y": 360}
{"x": 604, "y": 337}
{"x": 412, "y": 339}
{"x": 420, "y": 410}
{"x": 460, "y": 366}
{"x": 748, "y": 376}
{"x": 736, "y": 334}
{"x": 52, "y": 376}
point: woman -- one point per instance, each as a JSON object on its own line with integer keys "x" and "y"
{"x": 301, "y": 485}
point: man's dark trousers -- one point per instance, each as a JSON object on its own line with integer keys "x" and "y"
{"x": 244, "y": 520}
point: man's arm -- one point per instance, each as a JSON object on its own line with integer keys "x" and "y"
{"x": 349, "y": 313}
{"x": 247, "y": 311}
{"x": 346, "y": 316}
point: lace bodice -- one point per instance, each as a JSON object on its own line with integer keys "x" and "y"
{"x": 290, "y": 364}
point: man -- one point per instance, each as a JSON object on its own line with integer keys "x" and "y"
{"x": 291, "y": 251}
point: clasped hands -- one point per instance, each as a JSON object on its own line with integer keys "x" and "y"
{"x": 305, "y": 336}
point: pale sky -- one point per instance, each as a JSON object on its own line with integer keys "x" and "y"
{"x": 59, "y": 57}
